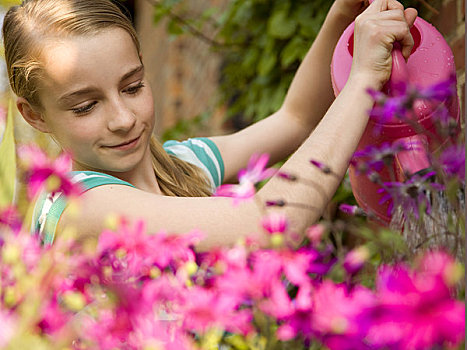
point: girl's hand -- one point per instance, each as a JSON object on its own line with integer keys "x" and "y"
{"x": 382, "y": 24}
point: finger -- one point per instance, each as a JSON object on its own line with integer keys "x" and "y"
{"x": 377, "y": 6}
{"x": 395, "y": 5}
{"x": 410, "y": 16}
{"x": 403, "y": 36}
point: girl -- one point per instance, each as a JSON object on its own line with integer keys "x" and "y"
{"x": 77, "y": 70}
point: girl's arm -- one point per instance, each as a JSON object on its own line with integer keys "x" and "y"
{"x": 332, "y": 142}
{"x": 308, "y": 98}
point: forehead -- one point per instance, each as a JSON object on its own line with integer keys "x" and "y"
{"x": 78, "y": 59}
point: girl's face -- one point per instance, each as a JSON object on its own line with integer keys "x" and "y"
{"x": 96, "y": 101}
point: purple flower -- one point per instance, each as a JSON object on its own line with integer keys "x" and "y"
{"x": 351, "y": 209}
{"x": 452, "y": 160}
{"x": 374, "y": 158}
{"x": 412, "y": 194}
{"x": 440, "y": 91}
{"x": 321, "y": 166}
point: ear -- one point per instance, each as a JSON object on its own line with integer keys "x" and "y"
{"x": 31, "y": 115}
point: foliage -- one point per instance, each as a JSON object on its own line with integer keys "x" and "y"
{"x": 262, "y": 42}
{"x": 7, "y": 157}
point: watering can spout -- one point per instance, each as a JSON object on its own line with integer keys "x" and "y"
{"x": 413, "y": 158}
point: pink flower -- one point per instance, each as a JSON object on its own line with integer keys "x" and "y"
{"x": 108, "y": 330}
{"x": 355, "y": 259}
{"x": 418, "y": 306}
{"x": 152, "y": 333}
{"x": 204, "y": 309}
{"x": 42, "y": 172}
{"x": 278, "y": 303}
{"x": 241, "y": 192}
{"x": 175, "y": 249}
{"x": 256, "y": 169}
{"x": 338, "y": 315}
{"x": 254, "y": 173}
{"x": 275, "y": 223}
{"x": 9, "y": 327}
{"x": 315, "y": 233}
{"x": 9, "y": 217}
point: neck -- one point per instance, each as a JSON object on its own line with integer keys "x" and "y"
{"x": 142, "y": 176}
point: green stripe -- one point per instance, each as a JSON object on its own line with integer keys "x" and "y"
{"x": 217, "y": 153}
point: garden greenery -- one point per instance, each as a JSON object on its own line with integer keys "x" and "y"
{"x": 262, "y": 43}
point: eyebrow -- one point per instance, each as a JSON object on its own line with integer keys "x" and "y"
{"x": 90, "y": 89}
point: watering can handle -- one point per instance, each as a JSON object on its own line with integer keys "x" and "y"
{"x": 400, "y": 71}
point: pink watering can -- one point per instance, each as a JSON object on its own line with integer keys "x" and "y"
{"x": 431, "y": 61}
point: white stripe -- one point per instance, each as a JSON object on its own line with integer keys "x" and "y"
{"x": 186, "y": 154}
{"x": 49, "y": 201}
{"x": 80, "y": 177}
{"x": 210, "y": 154}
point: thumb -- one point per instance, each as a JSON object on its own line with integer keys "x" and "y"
{"x": 410, "y": 16}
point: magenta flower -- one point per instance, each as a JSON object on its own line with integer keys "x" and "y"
{"x": 254, "y": 173}
{"x": 42, "y": 172}
{"x": 415, "y": 308}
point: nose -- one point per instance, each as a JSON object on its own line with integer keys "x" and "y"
{"x": 121, "y": 118}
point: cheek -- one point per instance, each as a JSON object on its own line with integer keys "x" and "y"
{"x": 147, "y": 107}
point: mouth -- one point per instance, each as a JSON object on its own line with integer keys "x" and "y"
{"x": 127, "y": 144}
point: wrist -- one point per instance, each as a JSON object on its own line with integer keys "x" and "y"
{"x": 337, "y": 15}
{"x": 363, "y": 80}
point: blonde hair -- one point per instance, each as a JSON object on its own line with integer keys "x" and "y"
{"x": 23, "y": 28}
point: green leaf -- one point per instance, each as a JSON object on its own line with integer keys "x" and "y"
{"x": 174, "y": 28}
{"x": 8, "y": 161}
{"x": 281, "y": 26}
{"x": 293, "y": 51}
{"x": 159, "y": 13}
{"x": 267, "y": 63}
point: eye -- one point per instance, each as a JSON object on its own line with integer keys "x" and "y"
{"x": 85, "y": 109}
{"x": 132, "y": 90}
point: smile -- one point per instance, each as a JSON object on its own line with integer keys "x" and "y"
{"x": 126, "y": 145}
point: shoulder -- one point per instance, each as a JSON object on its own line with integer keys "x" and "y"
{"x": 49, "y": 207}
{"x": 201, "y": 152}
